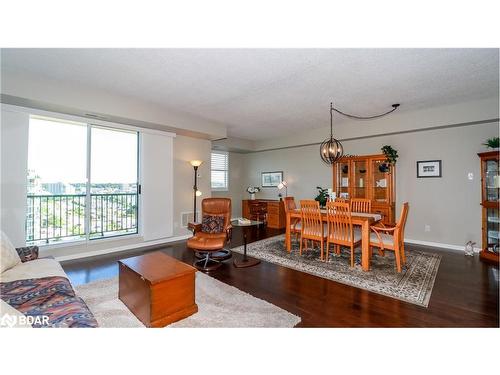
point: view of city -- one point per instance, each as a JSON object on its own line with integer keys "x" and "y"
{"x": 56, "y": 211}
{"x": 58, "y": 207}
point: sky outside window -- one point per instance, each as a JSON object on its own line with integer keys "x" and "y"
{"x": 57, "y": 151}
{"x": 58, "y": 156}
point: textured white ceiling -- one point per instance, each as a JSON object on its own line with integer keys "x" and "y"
{"x": 260, "y": 93}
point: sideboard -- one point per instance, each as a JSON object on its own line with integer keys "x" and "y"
{"x": 272, "y": 211}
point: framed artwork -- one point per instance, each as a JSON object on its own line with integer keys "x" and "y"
{"x": 272, "y": 179}
{"x": 429, "y": 168}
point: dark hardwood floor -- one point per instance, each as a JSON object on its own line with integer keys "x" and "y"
{"x": 465, "y": 292}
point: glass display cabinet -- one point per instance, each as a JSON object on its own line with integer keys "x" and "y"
{"x": 370, "y": 177}
{"x": 490, "y": 200}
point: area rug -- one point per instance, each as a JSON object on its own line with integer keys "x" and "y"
{"x": 414, "y": 284}
{"x": 219, "y": 305}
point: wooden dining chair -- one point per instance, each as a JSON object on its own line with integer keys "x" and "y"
{"x": 312, "y": 227}
{"x": 341, "y": 200}
{"x": 340, "y": 229}
{"x": 295, "y": 224}
{"x": 392, "y": 238}
{"x": 361, "y": 205}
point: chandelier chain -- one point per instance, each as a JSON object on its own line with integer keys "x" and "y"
{"x": 394, "y": 107}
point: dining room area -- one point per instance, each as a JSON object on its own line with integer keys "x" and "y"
{"x": 349, "y": 233}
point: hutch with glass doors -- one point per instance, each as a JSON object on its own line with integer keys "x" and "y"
{"x": 490, "y": 200}
{"x": 369, "y": 177}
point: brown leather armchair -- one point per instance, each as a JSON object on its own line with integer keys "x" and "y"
{"x": 209, "y": 246}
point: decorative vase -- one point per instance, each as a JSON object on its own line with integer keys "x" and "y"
{"x": 252, "y": 196}
{"x": 384, "y": 167}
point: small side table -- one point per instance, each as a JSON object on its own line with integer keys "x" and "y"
{"x": 245, "y": 261}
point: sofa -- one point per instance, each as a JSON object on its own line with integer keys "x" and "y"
{"x": 36, "y": 292}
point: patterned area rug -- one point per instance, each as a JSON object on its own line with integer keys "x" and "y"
{"x": 219, "y": 305}
{"x": 414, "y": 284}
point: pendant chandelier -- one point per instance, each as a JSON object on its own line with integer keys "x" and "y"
{"x": 331, "y": 149}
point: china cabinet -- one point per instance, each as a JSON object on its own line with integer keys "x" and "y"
{"x": 370, "y": 177}
{"x": 490, "y": 201}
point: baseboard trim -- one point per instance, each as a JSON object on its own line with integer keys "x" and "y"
{"x": 440, "y": 245}
{"x": 186, "y": 236}
{"x": 94, "y": 253}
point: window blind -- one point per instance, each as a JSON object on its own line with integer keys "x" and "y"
{"x": 219, "y": 170}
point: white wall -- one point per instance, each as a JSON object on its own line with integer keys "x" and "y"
{"x": 48, "y": 94}
{"x": 425, "y": 118}
{"x": 237, "y": 175}
{"x": 162, "y": 219}
{"x": 449, "y": 205}
{"x": 186, "y": 149}
{"x": 156, "y": 176}
{"x": 14, "y": 161}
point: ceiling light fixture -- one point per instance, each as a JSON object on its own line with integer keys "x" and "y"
{"x": 331, "y": 149}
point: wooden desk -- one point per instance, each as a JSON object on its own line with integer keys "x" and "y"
{"x": 363, "y": 221}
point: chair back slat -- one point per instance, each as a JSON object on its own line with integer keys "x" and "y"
{"x": 310, "y": 213}
{"x": 289, "y": 203}
{"x": 339, "y": 221}
{"x": 361, "y": 205}
{"x": 399, "y": 233}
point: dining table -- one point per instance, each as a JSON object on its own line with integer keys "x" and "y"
{"x": 362, "y": 219}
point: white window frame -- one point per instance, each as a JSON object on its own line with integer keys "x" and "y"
{"x": 226, "y": 154}
{"x": 56, "y": 117}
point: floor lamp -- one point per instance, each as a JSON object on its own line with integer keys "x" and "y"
{"x": 196, "y": 193}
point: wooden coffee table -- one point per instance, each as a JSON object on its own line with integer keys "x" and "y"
{"x": 157, "y": 288}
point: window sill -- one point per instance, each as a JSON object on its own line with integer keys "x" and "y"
{"x": 86, "y": 242}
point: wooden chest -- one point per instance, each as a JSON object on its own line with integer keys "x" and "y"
{"x": 157, "y": 288}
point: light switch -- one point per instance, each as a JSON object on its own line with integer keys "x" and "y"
{"x": 470, "y": 176}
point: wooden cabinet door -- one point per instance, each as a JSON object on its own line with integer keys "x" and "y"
{"x": 343, "y": 180}
{"x": 380, "y": 184}
{"x": 360, "y": 179}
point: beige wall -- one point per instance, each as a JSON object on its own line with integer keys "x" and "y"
{"x": 186, "y": 149}
{"x": 449, "y": 205}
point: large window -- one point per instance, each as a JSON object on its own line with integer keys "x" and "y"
{"x": 219, "y": 170}
{"x": 82, "y": 182}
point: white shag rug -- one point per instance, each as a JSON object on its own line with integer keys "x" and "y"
{"x": 219, "y": 305}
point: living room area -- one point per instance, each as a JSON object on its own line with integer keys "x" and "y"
{"x": 238, "y": 188}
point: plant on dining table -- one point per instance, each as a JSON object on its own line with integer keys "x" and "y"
{"x": 322, "y": 196}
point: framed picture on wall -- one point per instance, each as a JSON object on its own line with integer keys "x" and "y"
{"x": 429, "y": 168}
{"x": 272, "y": 179}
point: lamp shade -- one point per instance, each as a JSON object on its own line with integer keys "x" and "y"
{"x": 198, "y": 193}
{"x": 196, "y": 163}
{"x": 282, "y": 185}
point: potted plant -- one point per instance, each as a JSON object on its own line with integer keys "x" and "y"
{"x": 252, "y": 190}
{"x": 322, "y": 196}
{"x": 492, "y": 142}
{"x": 391, "y": 156}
